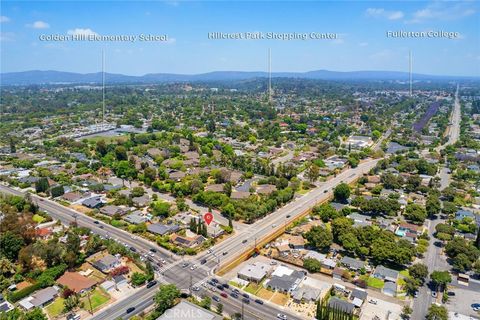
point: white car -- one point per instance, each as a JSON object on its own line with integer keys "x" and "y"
{"x": 281, "y": 316}
{"x": 209, "y": 251}
{"x": 193, "y": 267}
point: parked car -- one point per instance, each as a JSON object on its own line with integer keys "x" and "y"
{"x": 151, "y": 283}
{"x": 259, "y": 301}
{"x": 245, "y": 300}
{"x": 215, "y": 298}
{"x": 434, "y": 294}
{"x": 226, "y": 285}
{"x": 223, "y": 294}
{"x": 233, "y": 295}
{"x": 281, "y": 316}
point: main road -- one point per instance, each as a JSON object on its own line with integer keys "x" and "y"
{"x": 185, "y": 277}
{"x": 434, "y": 258}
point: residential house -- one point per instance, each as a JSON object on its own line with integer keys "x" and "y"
{"x": 111, "y": 210}
{"x": 238, "y": 195}
{"x": 141, "y": 201}
{"x": 76, "y": 282}
{"x": 215, "y": 187}
{"x": 266, "y": 189}
{"x": 285, "y": 280}
{"x": 162, "y": 229}
{"x": 93, "y": 202}
{"x": 358, "y": 297}
{"x": 40, "y": 298}
{"x": 187, "y": 242}
{"x": 390, "y": 289}
{"x": 386, "y": 274}
{"x": 306, "y": 294}
{"x": 352, "y": 264}
{"x": 136, "y": 217}
{"x": 327, "y": 263}
{"x": 342, "y": 305}
{"x": 107, "y": 263}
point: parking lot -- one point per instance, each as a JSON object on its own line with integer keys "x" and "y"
{"x": 462, "y": 301}
{"x": 383, "y": 310}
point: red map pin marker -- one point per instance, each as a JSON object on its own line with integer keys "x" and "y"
{"x": 208, "y": 217}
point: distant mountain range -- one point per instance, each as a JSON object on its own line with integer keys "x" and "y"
{"x": 59, "y": 77}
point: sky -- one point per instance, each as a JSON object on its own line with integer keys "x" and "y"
{"x": 360, "y": 27}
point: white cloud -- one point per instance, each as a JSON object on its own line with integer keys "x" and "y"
{"x": 39, "y": 25}
{"x": 80, "y": 31}
{"x": 7, "y": 36}
{"x": 385, "y": 14}
{"x": 442, "y": 11}
{"x": 363, "y": 44}
{"x": 4, "y": 19}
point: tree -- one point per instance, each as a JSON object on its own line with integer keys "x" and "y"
{"x": 437, "y": 313}
{"x": 319, "y": 237}
{"x": 326, "y": 212}
{"x": 418, "y": 271}
{"x": 165, "y": 297}
{"x": 406, "y": 312}
{"x": 415, "y": 213}
{"x": 138, "y": 279}
{"x": 341, "y": 193}
{"x": 121, "y": 153}
{"x": 11, "y": 244}
{"x": 57, "y": 191}
{"x": 206, "y": 302}
{"x": 312, "y": 265}
{"x": 160, "y": 208}
{"x": 462, "y": 263}
{"x": 433, "y": 205}
{"x": 440, "y": 279}
{"x": 70, "y": 303}
{"x": 220, "y": 308}
{"x": 41, "y": 186}
{"x": 313, "y": 172}
{"x": 35, "y": 314}
{"x": 137, "y": 192}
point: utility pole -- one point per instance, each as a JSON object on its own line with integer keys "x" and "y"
{"x": 89, "y": 302}
{"x": 410, "y": 71}
{"x": 269, "y": 75}
{"x": 103, "y": 89}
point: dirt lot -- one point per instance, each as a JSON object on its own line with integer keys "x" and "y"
{"x": 279, "y": 298}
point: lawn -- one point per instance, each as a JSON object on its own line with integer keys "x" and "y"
{"x": 38, "y": 218}
{"x": 372, "y": 282}
{"x": 55, "y": 308}
{"x": 252, "y": 288}
{"x": 97, "y": 297}
{"x": 279, "y": 298}
{"x": 264, "y": 294}
{"x": 375, "y": 283}
{"x": 233, "y": 283}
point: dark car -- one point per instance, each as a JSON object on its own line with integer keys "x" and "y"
{"x": 203, "y": 261}
{"x": 246, "y": 296}
{"x": 131, "y": 309}
{"x": 214, "y": 280}
{"x": 451, "y": 293}
{"x": 236, "y": 290}
{"x": 245, "y": 241}
{"x": 245, "y": 300}
{"x": 153, "y": 250}
{"x": 220, "y": 287}
{"x": 259, "y": 301}
{"x": 226, "y": 285}
{"x": 325, "y": 191}
{"x": 233, "y": 295}
{"x": 215, "y": 298}
{"x": 288, "y": 216}
{"x": 101, "y": 227}
{"x": 151, "y": 283}
{"x": 96, "y": 222}
{"x": 225, "y": 253}
{"x": 133, "y": 249}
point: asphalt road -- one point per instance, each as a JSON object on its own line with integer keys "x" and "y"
{"x": 434, "y": 258}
